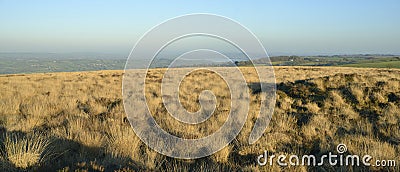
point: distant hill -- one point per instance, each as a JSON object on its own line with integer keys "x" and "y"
{"x": 359, "y": 60}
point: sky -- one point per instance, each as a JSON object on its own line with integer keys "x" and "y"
{"x": 296, "y": 27}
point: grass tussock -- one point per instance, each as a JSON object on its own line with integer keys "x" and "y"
{"x": 25, "y": 151}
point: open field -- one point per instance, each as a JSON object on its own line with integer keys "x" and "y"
{"x": 389, "y": 64}
{"x": 369, "y": 61}
{"x": 76, "y": 121}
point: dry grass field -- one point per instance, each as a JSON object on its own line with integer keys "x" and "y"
{"x": 76, "y": 121}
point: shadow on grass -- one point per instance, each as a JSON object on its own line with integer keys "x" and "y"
{"x": 68, "y": 155}
{"x": 65, "y": 154}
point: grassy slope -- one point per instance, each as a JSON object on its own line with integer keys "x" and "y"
{"x": 82, "y": 115}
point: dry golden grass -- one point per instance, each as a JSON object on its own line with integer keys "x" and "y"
{"x": 25, "y": 151}
{"x": 83, "y": 116}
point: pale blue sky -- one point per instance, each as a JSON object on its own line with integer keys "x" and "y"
{"x": 284, "y": 27}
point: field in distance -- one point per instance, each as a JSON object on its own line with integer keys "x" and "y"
{"x": 13, "y": 63}
{"x": 76, "y": 121}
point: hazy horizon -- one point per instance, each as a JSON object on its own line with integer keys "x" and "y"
{"x": 284, "y": 28}
{"x": 79, "y": 55}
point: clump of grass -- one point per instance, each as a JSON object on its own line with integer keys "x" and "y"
{"x": 152, "y": 159}
{"x": 222, "y": 156}
{"x": 312, "y": 107}
{"x": 123, "y": 144}
{"x": 25, "y": 151}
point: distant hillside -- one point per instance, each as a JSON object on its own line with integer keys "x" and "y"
{"x": 374, "y": 61}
